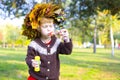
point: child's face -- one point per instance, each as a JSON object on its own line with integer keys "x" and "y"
{"x": 47, "y": 28}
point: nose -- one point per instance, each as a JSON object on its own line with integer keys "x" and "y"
{"x": 48, "y": 28}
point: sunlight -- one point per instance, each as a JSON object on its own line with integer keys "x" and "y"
{"x": 16, "y": 21}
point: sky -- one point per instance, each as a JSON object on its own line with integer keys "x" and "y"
{"x": 16, "y": 21}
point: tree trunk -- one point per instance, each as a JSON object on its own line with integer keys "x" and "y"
{"x": 95, "y": 36}
{"x": 94, "y": 46}
{"x": 3, "y": 45}
{"x": 112, "y": 41}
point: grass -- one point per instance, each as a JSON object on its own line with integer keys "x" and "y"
{"x": 82, "y": 64}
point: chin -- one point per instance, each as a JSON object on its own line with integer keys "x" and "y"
{"x": 48, "y": 36}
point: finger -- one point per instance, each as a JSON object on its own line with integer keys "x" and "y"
{"x": 37, "y": 65}
{"x": 32, "y": 60}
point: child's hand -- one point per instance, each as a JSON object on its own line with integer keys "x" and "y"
{"x": 35, "y": 63}
{"x": 65, "y": 35}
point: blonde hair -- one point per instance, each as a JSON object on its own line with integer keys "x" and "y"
{"x": 46, "y": 20}
{"x": 36, "y": 16}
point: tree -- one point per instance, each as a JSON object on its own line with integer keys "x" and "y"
{"x": 10, "y": 36}
{"x": 111, "y": 24}
{"x": 83, "y": 9}
{"x": 18, "y": 8}
{"x": 13, "y": 8}
{"x": 77, "y": 9}
{"x": 111, "y": 5}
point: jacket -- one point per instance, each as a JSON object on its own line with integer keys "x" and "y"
{"x": 49, "y": 57}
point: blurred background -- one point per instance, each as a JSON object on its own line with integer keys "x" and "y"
{"x": 94, "y": 27}
{"x": 92, "y": 23}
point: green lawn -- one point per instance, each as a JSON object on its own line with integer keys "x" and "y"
{"x": 81, "y": 65}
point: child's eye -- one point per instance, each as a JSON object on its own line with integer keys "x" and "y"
{"x": 45, "y": 26}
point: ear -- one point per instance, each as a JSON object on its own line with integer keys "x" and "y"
{"x": 39, "y": 29}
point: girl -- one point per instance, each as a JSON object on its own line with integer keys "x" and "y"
{"x": 39, "y": 27}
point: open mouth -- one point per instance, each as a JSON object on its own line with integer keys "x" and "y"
{"x": 50, "y": 34}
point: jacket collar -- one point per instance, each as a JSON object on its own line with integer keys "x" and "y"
{"x": 53, "y": 39}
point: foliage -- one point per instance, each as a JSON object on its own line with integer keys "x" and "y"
{"x": 84, "y": 29}
{"x": 18, "y": 8}
{"x": 81, "y": 13}
{"x": 86, "y": 8}
{"x": 85, "y": 11}
{"x": 11, "y": 36}
{"x": 81, "y": 8}
{"x": 111, "y": 5}
{"x": 14, "y": 7}
{"x": 1, "y": 36}
{"x": 107, "y": 20}
{"x": 117, "y": 35}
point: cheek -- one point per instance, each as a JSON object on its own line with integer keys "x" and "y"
{"x": 43, "y": 31}
{"x": 52, "y": 29}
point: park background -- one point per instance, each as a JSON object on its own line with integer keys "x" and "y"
{"x": 94, "y": 26}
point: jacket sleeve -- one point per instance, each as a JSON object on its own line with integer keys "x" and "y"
{"x": 30, "y": 55}
{"x": 65, "y": 47}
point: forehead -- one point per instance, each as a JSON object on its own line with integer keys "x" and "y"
{"x": 46, "y": 20}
